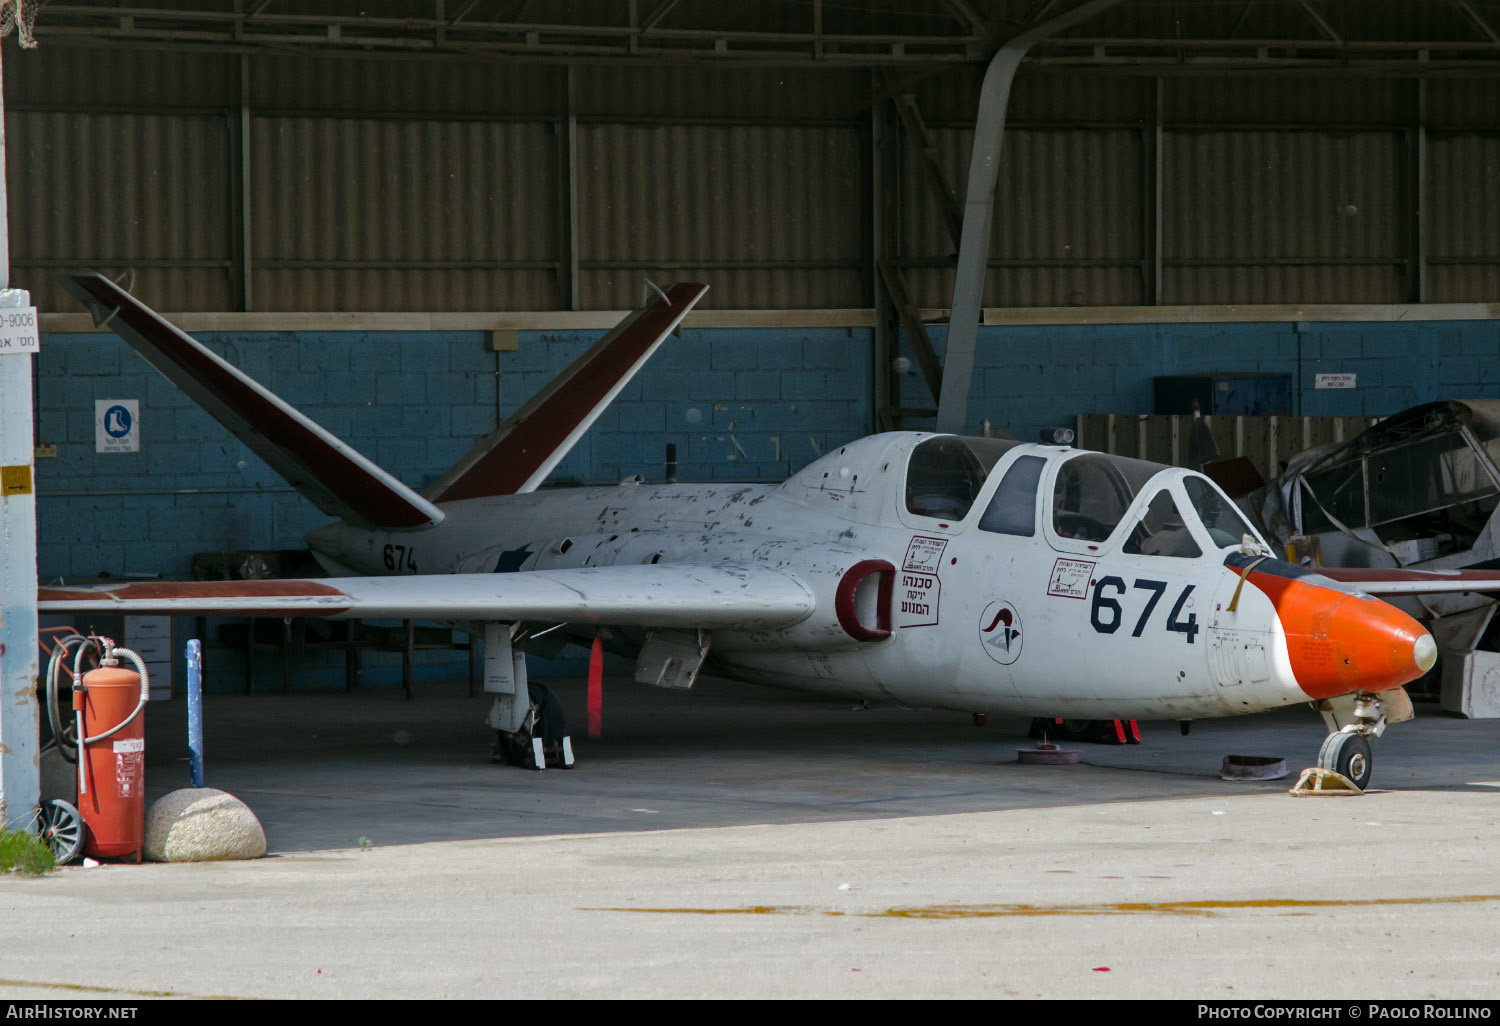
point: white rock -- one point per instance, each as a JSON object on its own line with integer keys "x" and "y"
{"x": 202, "y": 825}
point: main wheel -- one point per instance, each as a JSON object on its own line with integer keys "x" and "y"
{"x": 512, "y": 748}
{"x": 62, "y": 829}
{"x": 547, "y": 722}
{"x": 1348, "y": 754}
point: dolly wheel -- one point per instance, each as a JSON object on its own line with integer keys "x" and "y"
{"x": 62, "y": 829}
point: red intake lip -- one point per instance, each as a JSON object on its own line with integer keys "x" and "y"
{"x": 1340, "y": 643}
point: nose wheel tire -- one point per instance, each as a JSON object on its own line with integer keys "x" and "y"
{"x": 1348, "y": 754}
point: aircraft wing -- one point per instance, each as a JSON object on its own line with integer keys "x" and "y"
{"x": 1413, "y": 582}
{"x": 718, "y": 596}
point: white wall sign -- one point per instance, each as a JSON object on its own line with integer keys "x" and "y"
{"x": 1333, "y": 381}
{"x": 20, "y": 331}
{"x": 117, "y": 425}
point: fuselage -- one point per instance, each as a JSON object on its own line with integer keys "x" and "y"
{"x": 968, "y": 574}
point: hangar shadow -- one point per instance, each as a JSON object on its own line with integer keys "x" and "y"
{"x": 323, "y": 770}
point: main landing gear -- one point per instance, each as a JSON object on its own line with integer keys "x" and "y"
{"x": 543, "y": 738}
{"x": 1353, "y": 721}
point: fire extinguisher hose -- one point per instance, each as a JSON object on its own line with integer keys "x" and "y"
{"x": 55, "y": 667}
{"x": 140, "y": 668}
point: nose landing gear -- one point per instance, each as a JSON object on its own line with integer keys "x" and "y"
{"x": 1353, "y": 720}
{"x": 1348, "y": 754}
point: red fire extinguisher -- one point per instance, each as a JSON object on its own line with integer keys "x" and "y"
{"x": 109, "y": 702}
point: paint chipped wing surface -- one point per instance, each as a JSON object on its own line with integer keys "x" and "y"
{"x": 725, "y": 596}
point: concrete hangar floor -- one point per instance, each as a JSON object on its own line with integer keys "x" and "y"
{"x": 740, "y": 842}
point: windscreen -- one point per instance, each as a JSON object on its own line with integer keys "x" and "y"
{"x": 1220, "y": 516}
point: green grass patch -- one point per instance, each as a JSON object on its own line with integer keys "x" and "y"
{"x": 26, "y": 853}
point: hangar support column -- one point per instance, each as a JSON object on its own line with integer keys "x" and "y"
{"x": 979, "y": 203}
{"x": 20, "y": 774}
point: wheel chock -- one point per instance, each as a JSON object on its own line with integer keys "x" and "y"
{"x": 1047, "y": 754}
{"x": 1318, "y": 781}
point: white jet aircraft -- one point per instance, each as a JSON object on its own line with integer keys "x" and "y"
{"x": 930, "y": 570}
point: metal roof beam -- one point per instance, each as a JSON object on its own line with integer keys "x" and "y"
{"x": 1476, "y": 19}
{"x": 463, "y": 12}
{"x": 255, "y": 24}
{"x": 1320, "y": 21}
{"x": 654, "y": 18}
{"x": 964, "y": 13}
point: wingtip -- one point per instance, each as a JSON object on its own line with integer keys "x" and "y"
{"x": 663, "y": 295}
{"x": 85, "y": 285}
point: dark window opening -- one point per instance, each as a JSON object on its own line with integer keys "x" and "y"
{"x": 945, "y": 474}
{"x": 1013, "y": 508}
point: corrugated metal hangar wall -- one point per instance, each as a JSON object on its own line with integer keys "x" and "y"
{"x": 1154, "y": 217}
{"x": 313, "y": 183}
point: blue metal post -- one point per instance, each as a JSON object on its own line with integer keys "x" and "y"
{"x": 195, "y": 709}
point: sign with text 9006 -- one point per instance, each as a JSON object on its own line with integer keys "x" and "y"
{"x": 19, "y": 330}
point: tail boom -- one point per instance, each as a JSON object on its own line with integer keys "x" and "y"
{"x": 331, "y": 474}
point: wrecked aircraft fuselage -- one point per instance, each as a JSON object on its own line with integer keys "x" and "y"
{"x": 1419, "y": 489}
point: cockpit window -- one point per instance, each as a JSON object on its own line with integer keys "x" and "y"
{"x": 1162, "y": 532}
{"x": 1092, "y": 492}
{"x": 1013, "y": 509}
{"x": 1433, "y": 484}
{"x": 1225, "y": 525}
{"x": 945, "y": 474}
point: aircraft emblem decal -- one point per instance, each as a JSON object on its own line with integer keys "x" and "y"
{"x": 1000, "y": 632}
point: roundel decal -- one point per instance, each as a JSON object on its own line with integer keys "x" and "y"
{"x": 1000, "y": 632}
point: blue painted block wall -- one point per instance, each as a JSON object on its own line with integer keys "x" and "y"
{"x": 1030, "y": 377}
{"x": 739, "y": 404}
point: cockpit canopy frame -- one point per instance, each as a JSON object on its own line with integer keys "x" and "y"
{"x": 1080, "y": 501}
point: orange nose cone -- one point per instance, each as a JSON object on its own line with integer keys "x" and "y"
{"x": 1340, "y": 643}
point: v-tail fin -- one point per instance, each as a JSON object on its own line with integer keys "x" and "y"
{"x": 333, "y": 476}
{"x": 519, "y": 454}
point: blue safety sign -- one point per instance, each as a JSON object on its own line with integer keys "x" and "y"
{"x": 117, "y": 421}
{"x": 117, "y": 425}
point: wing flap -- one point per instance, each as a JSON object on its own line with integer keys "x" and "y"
{"x": 721, "y": 596}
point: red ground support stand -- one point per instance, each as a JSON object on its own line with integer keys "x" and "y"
{"x": 1099, "y": 732}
